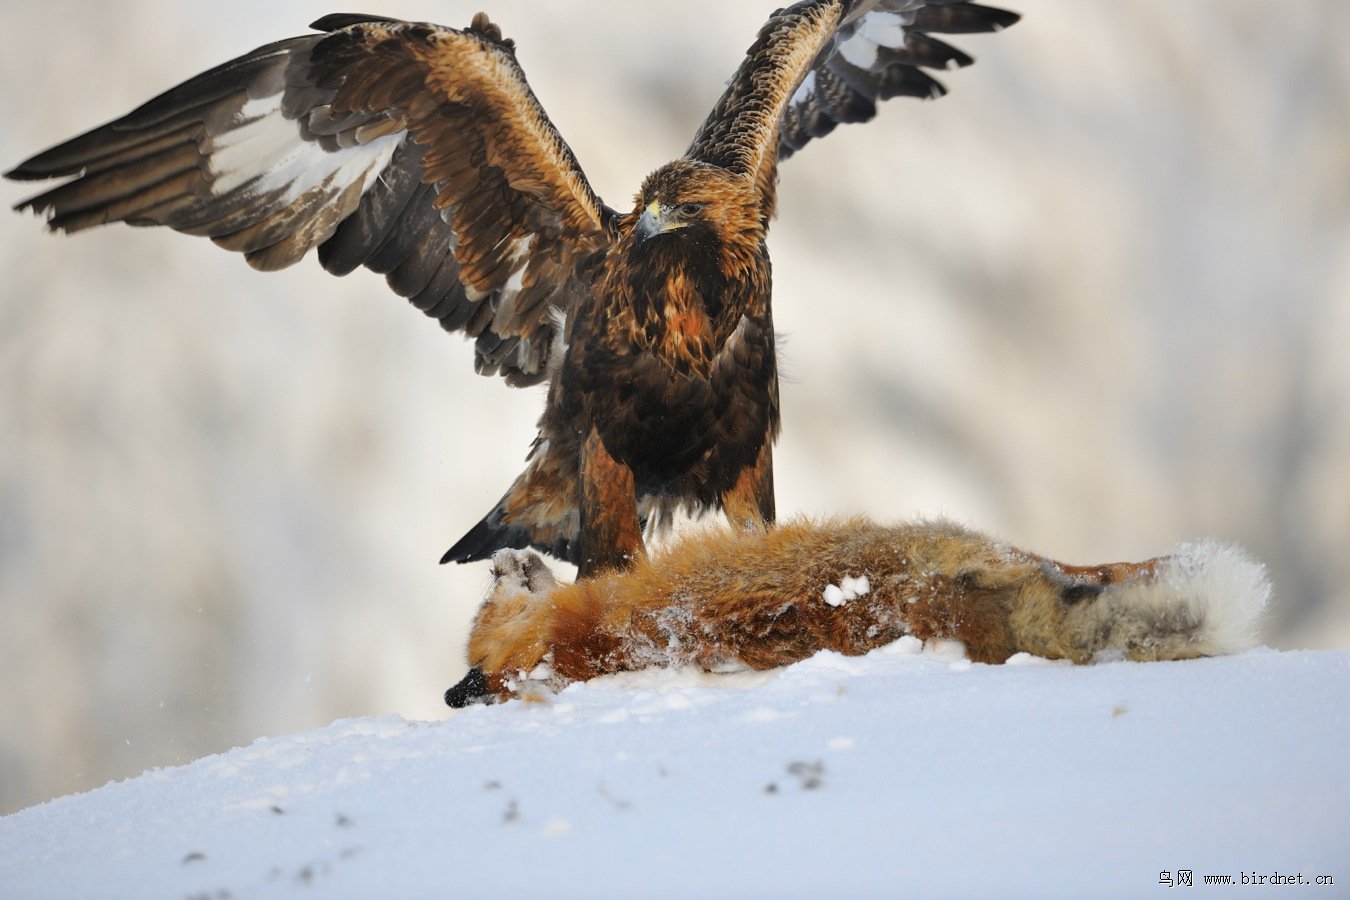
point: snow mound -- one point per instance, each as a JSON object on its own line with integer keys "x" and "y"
{"x": 898, "y": 773}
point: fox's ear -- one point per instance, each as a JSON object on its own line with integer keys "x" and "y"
{"x": 472, "y": 688}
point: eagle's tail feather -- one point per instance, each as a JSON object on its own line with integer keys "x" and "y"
{"x": 539, "y": 510}
{"x": 487, "y": 537}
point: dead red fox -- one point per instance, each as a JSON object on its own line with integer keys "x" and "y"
{"x": 758, "y": 599}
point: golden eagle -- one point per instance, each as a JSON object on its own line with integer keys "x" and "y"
{"x": 421, "y": 153}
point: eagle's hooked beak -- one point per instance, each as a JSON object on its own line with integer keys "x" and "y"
{"x": 652, "y": 222}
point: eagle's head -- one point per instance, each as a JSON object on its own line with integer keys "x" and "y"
{"x": 702, "y": 203}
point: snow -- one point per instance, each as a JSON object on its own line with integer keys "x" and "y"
{"x": 903, "y": 773}
{"x": 848, "y": 588}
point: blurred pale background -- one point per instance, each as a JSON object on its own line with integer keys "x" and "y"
{"x": 1097, "y": 300}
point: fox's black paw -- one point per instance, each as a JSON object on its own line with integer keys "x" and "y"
{"x": 472, "y": 688}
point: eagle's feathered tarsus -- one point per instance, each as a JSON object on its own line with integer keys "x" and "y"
{"x": 420, "y": 152}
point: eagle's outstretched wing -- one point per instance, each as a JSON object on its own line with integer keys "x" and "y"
{"x": 417, "y": 151}
{"x": 822, "y": 62}
{"x": 881, "y": 51}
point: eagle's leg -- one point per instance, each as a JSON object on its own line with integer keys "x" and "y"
{"x": 610, "y": 534}
{"x": 749, "y": 502}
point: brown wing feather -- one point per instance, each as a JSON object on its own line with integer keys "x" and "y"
{"x": 819, "y": 63}
{"x": 741, "y": 132}
{"x": 417, "y": 151}
{"x": 507, "y": 187}
{"x": 881, "y": 50}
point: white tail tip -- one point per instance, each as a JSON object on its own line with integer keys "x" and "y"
{"x": 1223, "y": 588}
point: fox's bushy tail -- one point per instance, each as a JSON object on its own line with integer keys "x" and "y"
{"x": 1203, "y": 599}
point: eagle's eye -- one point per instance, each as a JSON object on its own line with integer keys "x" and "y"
{"x": 689, "y": 210}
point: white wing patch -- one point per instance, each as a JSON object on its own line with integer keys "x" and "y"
{"x": 874, "y": 30}
{"x": 805, "y": 89}
{"x": 265, "y": 153}
{"x": 519, "y": 260}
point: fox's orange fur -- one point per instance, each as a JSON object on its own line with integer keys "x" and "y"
{"x": 756, "y": 599}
